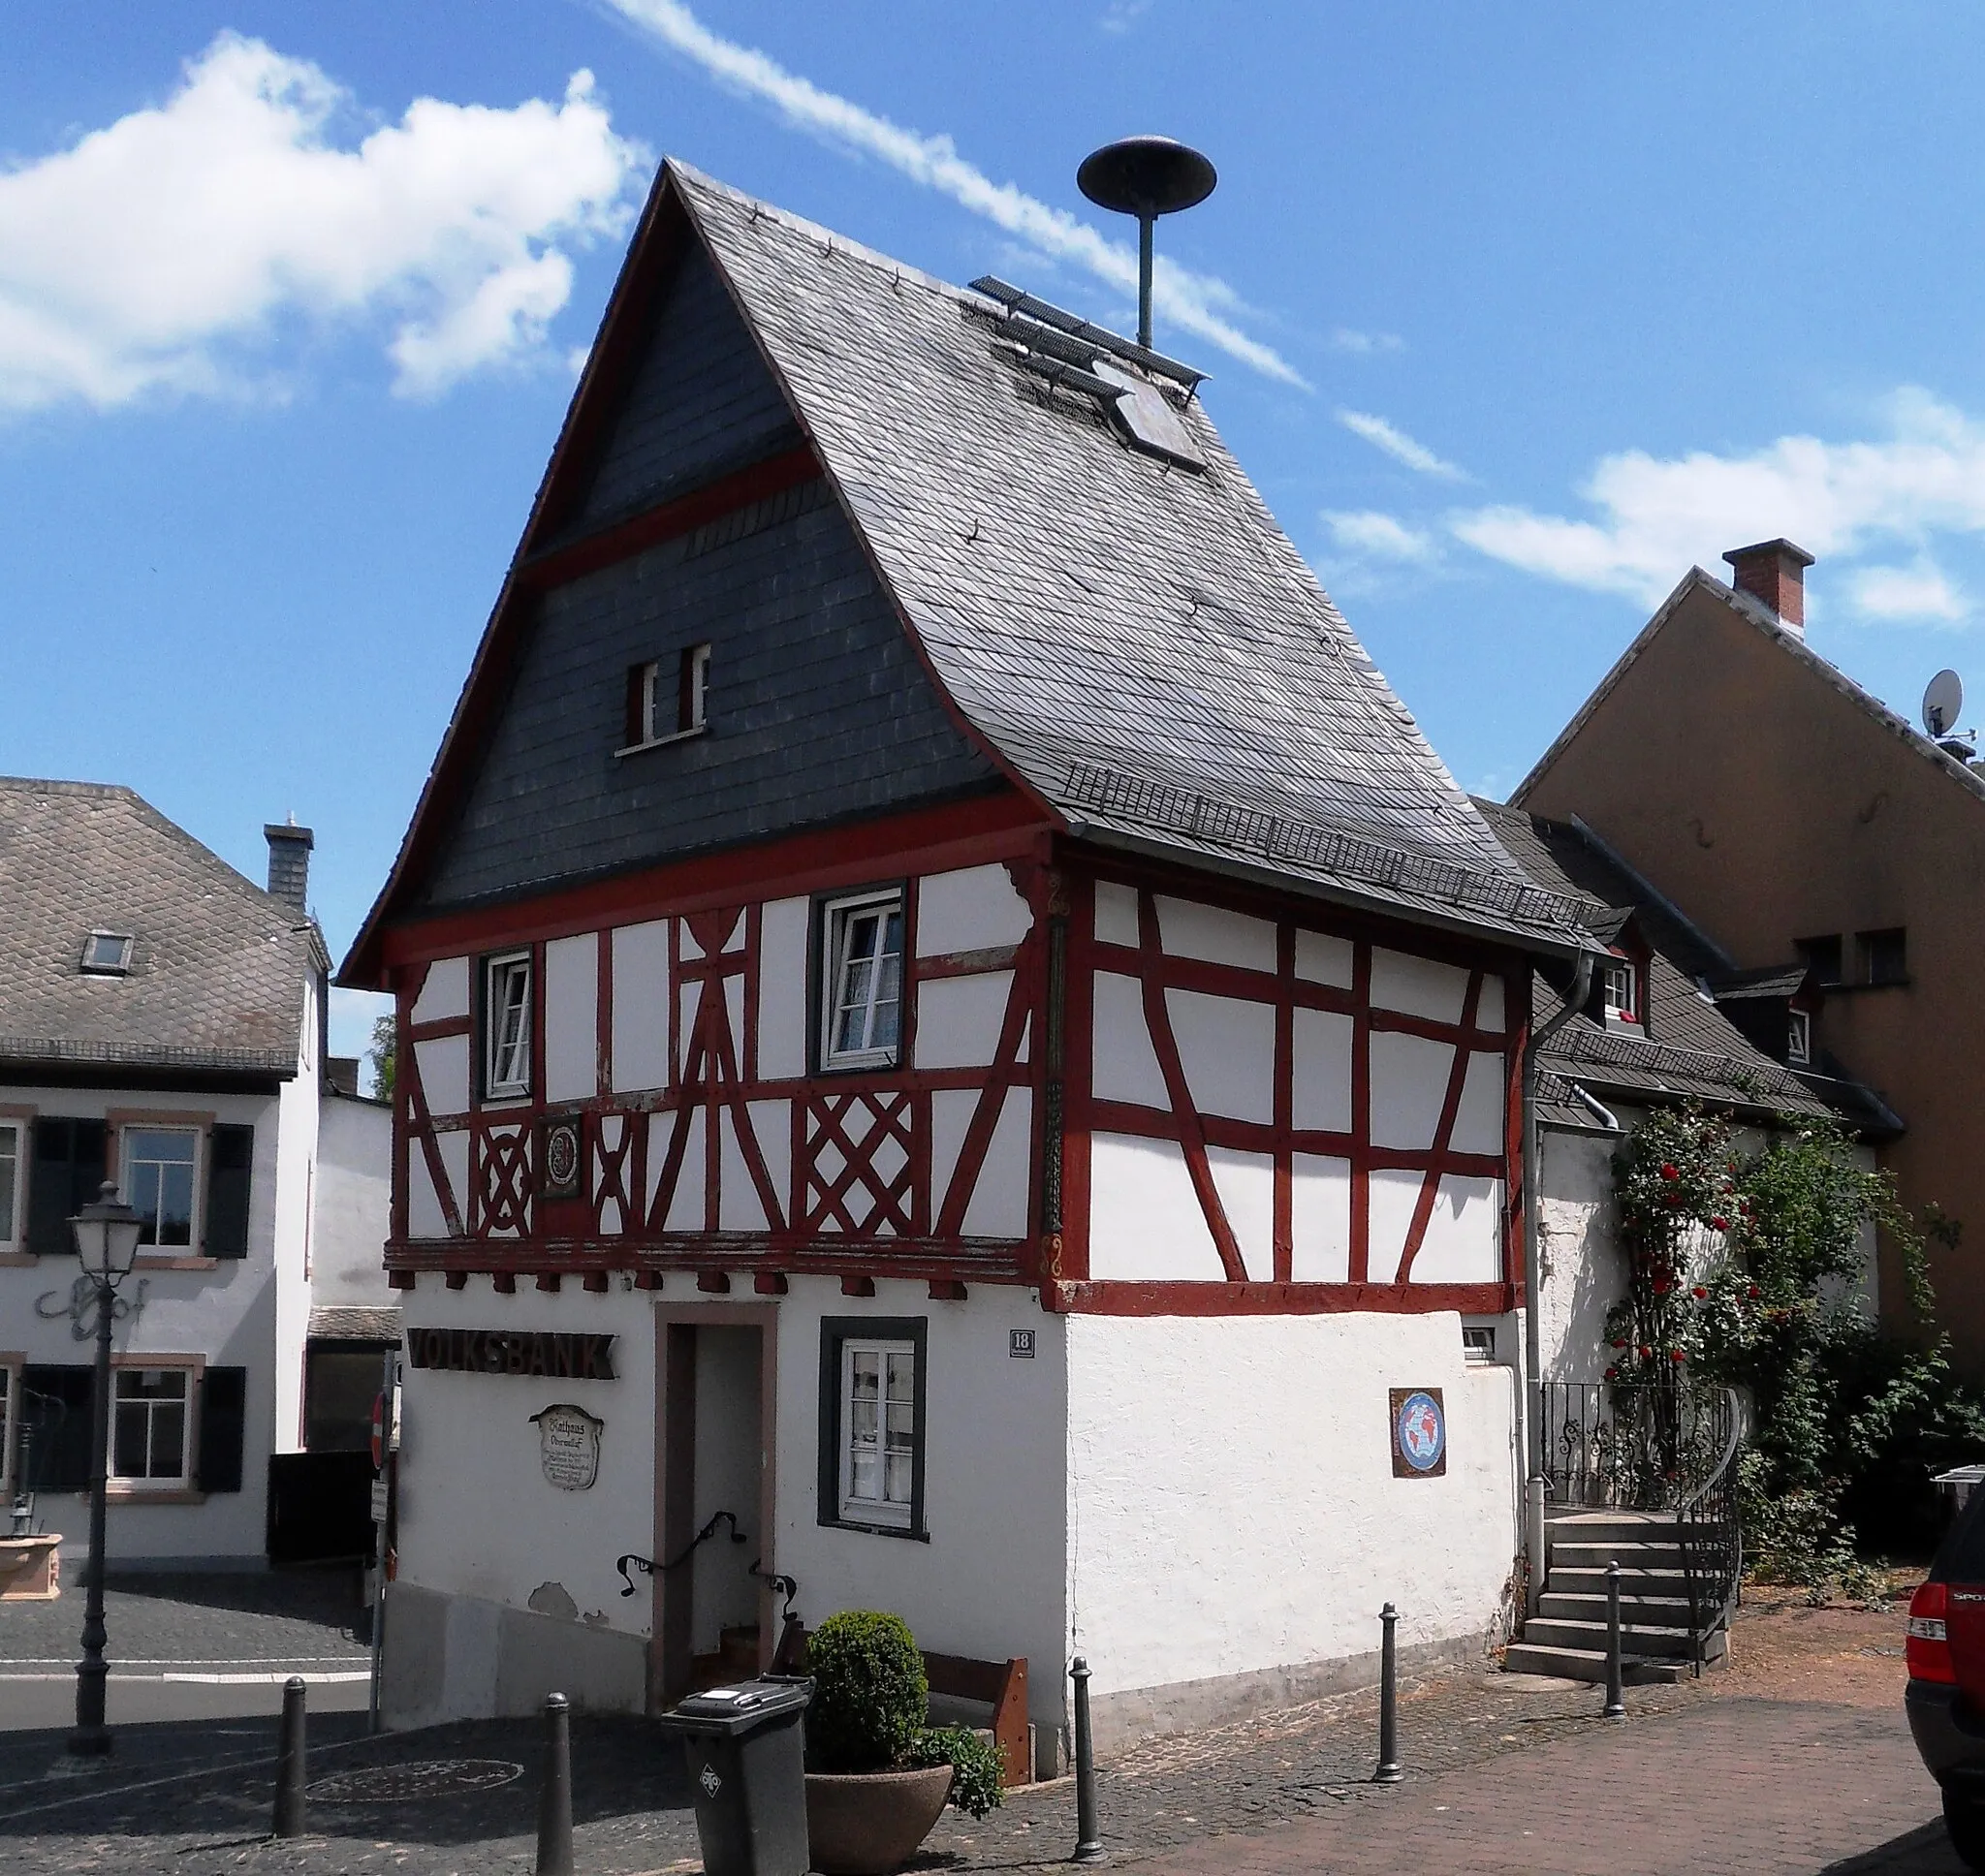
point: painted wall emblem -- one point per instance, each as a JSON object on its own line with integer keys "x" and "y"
{"x": 561, "y": 1157}
{"x": 569, "y": 1446}
{"x": 1419, "y": 1433}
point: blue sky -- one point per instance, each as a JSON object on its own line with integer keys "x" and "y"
{"x": 1513, "y": 313}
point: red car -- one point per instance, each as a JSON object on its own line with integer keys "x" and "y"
{"x": 1945, "y": 1698}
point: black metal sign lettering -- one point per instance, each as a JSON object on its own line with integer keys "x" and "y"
{"x": 540, "y": 1354}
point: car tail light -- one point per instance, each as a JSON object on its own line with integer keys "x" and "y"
{"x": 1928, "y": 1647}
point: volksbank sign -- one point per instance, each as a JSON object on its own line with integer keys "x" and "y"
{"x": 527, "y": 1352}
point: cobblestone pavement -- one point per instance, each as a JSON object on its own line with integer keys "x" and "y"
{"x": 1796, "y": 1760}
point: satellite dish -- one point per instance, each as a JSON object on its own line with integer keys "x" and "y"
{"x": 1146, "y": 176}
{"x": 1941, "y": 703}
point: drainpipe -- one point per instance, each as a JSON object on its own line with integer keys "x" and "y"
{"x": 1534, "y": 1338}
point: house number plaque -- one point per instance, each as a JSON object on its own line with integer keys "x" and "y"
{"x": 569, "y": 1446}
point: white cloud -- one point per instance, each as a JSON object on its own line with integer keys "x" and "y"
{"x": 1381, "y": 537}
{"x": 1348, "y": 339}
{"x": 1398, "y": 445}
{"x": 162, "y": 253}
{"x": 1201, "y": 303}
{"x": 1119, "y": 16}
{"x": 1658, "y": 517}
{"x": 1918, "y": 592}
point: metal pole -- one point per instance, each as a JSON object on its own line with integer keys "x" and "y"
{"x": 1616, "y": 1701}
{"x": 1534, "y": 1542}
{"x": 1144, "y": 280}
{"x": 1388, "y": 1772}
{"x": 289, "y": 1762}
{"x": 90, "y": 1733}
{"x": 389, "y": 1375}
{"x": 555, "y": 1794}
{"x": 1088, "y": 1837}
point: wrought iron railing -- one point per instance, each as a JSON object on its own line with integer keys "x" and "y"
{"x": 1663, "y": 1446}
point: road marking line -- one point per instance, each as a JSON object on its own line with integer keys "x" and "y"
{"x": 312, "y": 1679}
{"x": 183, "y": 1661}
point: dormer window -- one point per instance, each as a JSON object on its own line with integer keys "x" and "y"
{"x": 1799, "y": 1039}
{"x": 107, "y": 953}
{"x": 1621, "y": 991}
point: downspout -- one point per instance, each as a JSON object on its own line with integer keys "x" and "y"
{"x": 1533, "y": 1338}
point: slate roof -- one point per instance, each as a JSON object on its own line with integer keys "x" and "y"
{"x": 355, "y": 1322}
{"x": 1691, "y": 1049}
{"x": 218, "y": 967}
{"x": 1140, "y": 641}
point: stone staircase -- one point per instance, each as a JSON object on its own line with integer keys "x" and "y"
{"x": 1567, "y": 1635}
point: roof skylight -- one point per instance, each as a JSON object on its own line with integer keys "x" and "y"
{"x": 107, "y": 953}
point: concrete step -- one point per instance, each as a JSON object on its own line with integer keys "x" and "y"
{"x": 1628, "y": 1557}
{"x": 1611, "y": 1527}
{"x": 1635, "y": 1640}
{"x": 1575, "y": 1606}
{"x": 1588, "y": 1582}
{"x": 1583, "y": 1664}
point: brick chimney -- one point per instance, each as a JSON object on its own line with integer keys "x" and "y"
{"x": 1774, "y": 571}
{"x": 289, "y": 863}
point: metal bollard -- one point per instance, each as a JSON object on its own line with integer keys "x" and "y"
{"x": 289, "y": 1762}
{"x": 1388, "y": 1772}
{"x": 1616, "y": 1701}
{"x": 555, "y": 1794}
{"x": 1088, "y": 1838}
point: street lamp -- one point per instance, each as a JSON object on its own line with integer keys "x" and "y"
{"x": 106, "y": 1236}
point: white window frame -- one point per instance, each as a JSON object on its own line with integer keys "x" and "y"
{"x": 1799, "y": 1038}
{"x": 13, "y": 1154}
{"x": 885, "y": 1511}
{"x": 119, "y": 966}
{"x": 686, "y": 703}
{"x": 191, "y": 1371}
{"x": 1618, "y": 968}
{"x": 693, "y": 704}
{"x": 839, "y": 919}
{"x": 196, "y": 1209}
{"x": 502, "y": 1051}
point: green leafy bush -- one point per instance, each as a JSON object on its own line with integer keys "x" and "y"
{"x": 870, "y": 1698}
{"x": 974, "y": 1763}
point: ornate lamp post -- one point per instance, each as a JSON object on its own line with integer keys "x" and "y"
{"x": 107, "y": 1243}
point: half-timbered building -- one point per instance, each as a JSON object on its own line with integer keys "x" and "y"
{"x": 948, "y": 1012}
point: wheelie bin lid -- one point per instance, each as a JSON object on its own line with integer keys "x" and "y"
{"x": 741, "y": 1706}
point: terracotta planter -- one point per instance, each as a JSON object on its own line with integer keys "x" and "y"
{"x": 869, "y": 1822}
{"x": 30, "y": 1569}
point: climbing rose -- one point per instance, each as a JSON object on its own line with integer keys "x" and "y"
{"x": 1720, "y": 1223}
{"x": 1612, "y": 1374}
{"x": 1662, "y": 1285}
{"x": 1700, "y": 1293}
{"x": 1668, "y": 1172}
{"x": 1645, "y": 1352}
{"x": 1620, "y": 1341}
{"x": 1755, "y": 1292}
{"x": 1676, "y": 1354}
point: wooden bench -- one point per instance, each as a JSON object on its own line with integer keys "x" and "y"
{"x": 1001, "y": 1685}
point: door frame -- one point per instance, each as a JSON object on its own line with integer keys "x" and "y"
{"x": 670, "y": 1646}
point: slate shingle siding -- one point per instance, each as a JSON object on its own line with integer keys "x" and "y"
{"x": 818, "y": 708}
{"x": 702, "y": 403}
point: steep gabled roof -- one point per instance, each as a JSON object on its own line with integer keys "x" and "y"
{"x": 1134, "y": 643}
{"x": 217, "y": 968}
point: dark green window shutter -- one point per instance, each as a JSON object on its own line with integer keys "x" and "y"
{"x": 67, "y": 1169}
{"x": 54, "y": 1427}
{"x": 230, "y": 1152}
{"x": 223, "y": 1425}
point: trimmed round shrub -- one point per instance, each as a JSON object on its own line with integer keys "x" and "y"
{"x": 870, "y": 1693}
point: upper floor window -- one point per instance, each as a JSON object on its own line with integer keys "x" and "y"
{"x": 107, "y": 953}
{"x": 862, "y": 1013}
{"x": 1884, "y": 956}
{"x": 1621, "y": 991}
{"x": 159, "y": 1165}
{"x": 1799, "y": 1039}
{"x": 506, "y": 1026}
{"x": 1821, "y": 957}
{"x": 668, "y": 698}
{"x": 10, "y": 1183}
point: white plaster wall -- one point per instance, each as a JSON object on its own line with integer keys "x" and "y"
{"x": 444, "y": 1065}
{"x": 1581, "y": 1271}
{"x": 1231, "y": 1503}
{"x": 298, "y": 1111}
{"x": 1124, "y": 1064}
{"x": 425, "y": 1217}
{"x": 974, "y": 909}
{"x": 998, "y": 1204}
{"x": 1227, "y": 1048}
{"x": 959, "y": 1019}
{"x": 1190, "y": 930}
{"x": 1323, "y": 959}
{"x": 1146, "y": 1221}
{"x": 1115, "y": 914}
{"x": 641, "y": 1006}
{"x": 445, "y": 994}
{"x": 1419, "y": 986}
{"x": 477, "y": 1515}
{"x": 990, "y": 1581}
{"x": 1321, "y": 1061}
{"x": 1320, "y": 1219}
{"x": 227, "y": 1314}
{"x": 782, "y": 925}
{"x": 572, "y": 1018}
{"x": 352, "y": 1202}
{"x": 1409, "y": 1084}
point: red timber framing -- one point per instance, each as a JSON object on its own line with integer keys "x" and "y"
{"x": 1156, "y": 971}
{"x": 849, "y": 1189}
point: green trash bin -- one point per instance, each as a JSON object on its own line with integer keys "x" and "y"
{"x": 746, "y": 1751}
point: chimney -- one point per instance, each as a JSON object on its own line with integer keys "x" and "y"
{"x": 1774, "y": 571}
{"x": 289, "y": 863}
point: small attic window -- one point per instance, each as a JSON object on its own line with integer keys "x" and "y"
{"x": 1799, "y": 1039}
{"x": 1621, "y": 991}
{"x": 107, "y": 953}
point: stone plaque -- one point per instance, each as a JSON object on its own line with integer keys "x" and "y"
{"x": 569, "y": 1446}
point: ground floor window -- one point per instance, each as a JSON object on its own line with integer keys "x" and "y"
{"x": 872, "y": 1456}
{"x": 10, "y": 1425}
{"x": 339, "y": 1388}
{"x": 152, "y": 1427}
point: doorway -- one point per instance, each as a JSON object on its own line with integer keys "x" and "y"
{"x": 715, "y": 1440}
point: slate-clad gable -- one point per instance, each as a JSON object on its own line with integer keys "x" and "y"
{"x": 819, "y": 709}
{"x": 701, "y": 405}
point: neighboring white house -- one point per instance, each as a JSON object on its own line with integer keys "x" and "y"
{"x": 162, "y": 1026}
